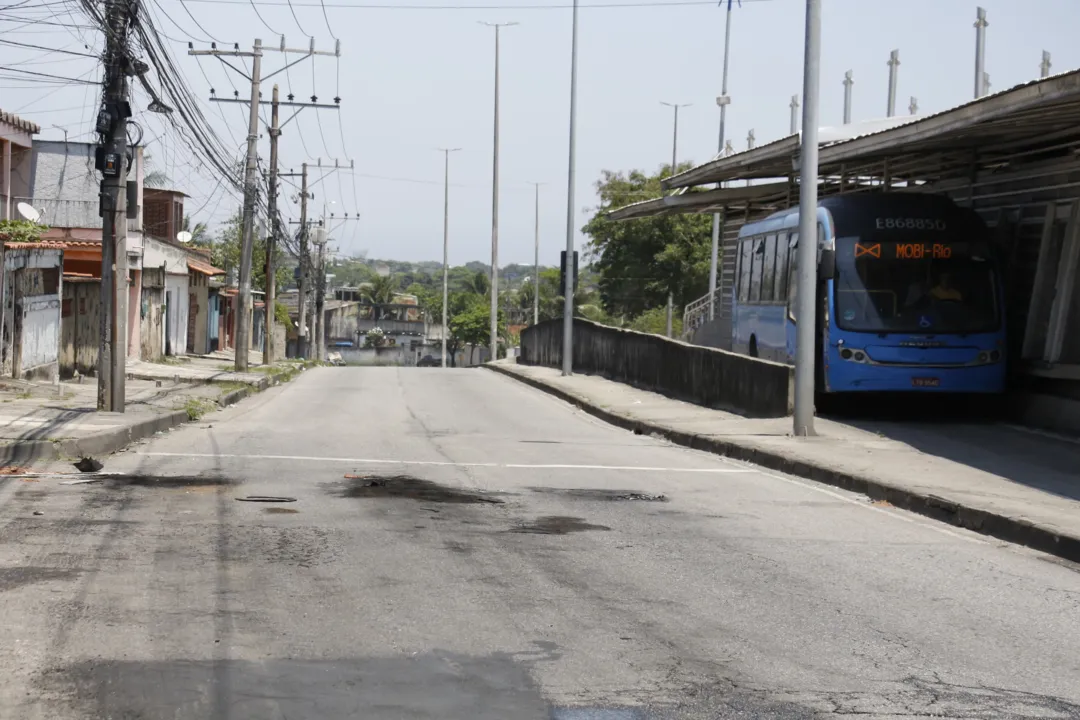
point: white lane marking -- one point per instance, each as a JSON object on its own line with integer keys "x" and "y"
{"x": 862, "y": 503}
{"x": 515, "y": 466}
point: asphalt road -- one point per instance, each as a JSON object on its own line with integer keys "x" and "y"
{"x": 498, "y": 555}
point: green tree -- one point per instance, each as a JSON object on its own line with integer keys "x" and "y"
{"x": 225, "y": 254}
{"x": 381, "y": 290}
{"x": 638, "y": 262}
{"x": 655, "y": 321}
{"x": 200, "y": 233}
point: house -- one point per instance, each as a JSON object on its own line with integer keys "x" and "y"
{"x": 65, "y": 188}
{"x": 204, "y": 307}
{"x": 16, "y": 137}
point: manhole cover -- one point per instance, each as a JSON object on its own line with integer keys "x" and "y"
{"x": 266, "y": 499}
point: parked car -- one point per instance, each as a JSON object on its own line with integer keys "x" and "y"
{"x": 429, "y": 361}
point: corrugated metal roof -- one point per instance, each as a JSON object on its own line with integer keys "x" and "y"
{"x": 708, "y": 201}
{"x": 1030, "y": 112}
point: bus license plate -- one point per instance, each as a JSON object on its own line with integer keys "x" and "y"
{"x": 926, "y": 382}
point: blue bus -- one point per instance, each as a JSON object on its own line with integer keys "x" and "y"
{"x": 910, "y": 297}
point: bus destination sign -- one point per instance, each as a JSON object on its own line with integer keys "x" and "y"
{"x": 911, "y": 250}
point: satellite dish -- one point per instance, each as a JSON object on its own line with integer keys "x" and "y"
{"x": 28, "y": 211}
{"x": 183, "y": 236}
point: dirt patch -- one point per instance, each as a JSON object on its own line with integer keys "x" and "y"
{"x": 412, "y": 488}
{"x": 556, "y": 525}
{"x": 602, "y": 494}
{"x": 280, "y": 511}
{"x": 171, "y": 482}
{"x": 11, "y": 578}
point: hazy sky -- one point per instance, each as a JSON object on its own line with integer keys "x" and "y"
{"x": 413, "y": 80}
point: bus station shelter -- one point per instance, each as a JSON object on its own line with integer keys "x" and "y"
{"x": 1014, "y": 157}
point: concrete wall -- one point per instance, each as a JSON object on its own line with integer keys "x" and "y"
{"x": 80, "y": 327}
{"x": 706, "y": 376}
{"x": 32, "y": 285}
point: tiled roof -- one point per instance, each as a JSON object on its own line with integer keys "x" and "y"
{"x": 34, "y": 245}
{"x": 18, "y": 122}
{"x": 204, "y": 268}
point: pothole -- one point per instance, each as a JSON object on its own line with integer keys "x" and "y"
{"x": 556, "y": 525}
{"x": 406, "y": 486}
{"x": 602, "y": 494}
{"x": 267, "y": 499}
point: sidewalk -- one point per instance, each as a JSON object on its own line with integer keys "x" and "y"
{"x": 40, "y": 421}
{"x": 1012, "y": 484}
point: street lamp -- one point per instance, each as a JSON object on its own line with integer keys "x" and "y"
{"x": 568, "y": 288}
{"x": 675, "y": 131}
{"x": 446, "y": 246}
{"x": 808, "y": 227}
{"x": 494, "y": 342}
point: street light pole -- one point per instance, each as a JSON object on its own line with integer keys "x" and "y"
{"x": 675, "y": 132}
{"x": 536, "y": 258}
{"x": 806, "y": 327}
{"x": 446, "y": 247}
{"x": 494, "y": 341}
{"x": 568, "y": 288}
{"x": 717, "y": 219}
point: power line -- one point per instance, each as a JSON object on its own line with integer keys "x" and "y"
{"x": 49, "y": 49}
{"x": 71, "y": 81}
{"x": 384, "y": 6}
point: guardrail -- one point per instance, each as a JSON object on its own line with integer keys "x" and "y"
{"x": 703, "y": 375}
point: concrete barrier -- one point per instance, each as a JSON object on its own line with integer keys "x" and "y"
{"x": 705, "y": 376}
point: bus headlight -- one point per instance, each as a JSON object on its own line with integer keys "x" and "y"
{"x": 846, "y": 354}
{"x": 984, "y": 357}
{"x": 995, "y": 356}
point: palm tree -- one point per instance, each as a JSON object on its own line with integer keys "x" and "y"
{"x": 199, "y": 234}
{"x": 381, "y": 290}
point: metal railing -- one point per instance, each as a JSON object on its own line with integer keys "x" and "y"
{"x": 696, "y": 313}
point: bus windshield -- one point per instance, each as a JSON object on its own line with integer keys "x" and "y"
{"x": 915, "y": 285}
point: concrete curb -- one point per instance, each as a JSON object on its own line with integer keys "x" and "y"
{"x": 1014, "y": 530}
{"x": 262, "y": 384}
{"x": 113, "y": 439}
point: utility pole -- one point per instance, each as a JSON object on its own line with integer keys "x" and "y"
{"x": 243, "y": 314}
{"x": 301, "y": 331}
{"x": 980, "y": 52}
{"x": 321, "y": 238}
{"x": 717, "y": 219}
{"x": 894, "y": 63}
{"x": 271, "y": 239}
{"x": 794, "y": 114}
{"x": 568, "y": 288}
{"x": 446, "y": 244}
{"x": 675, "y": 132}
{"x": 848, "y": 82}
{"x": 251, "y": 191}
{"x": 806, "y": 328}
{"x": 1044, "y": 66}
{"x": 494, "y": 340}
{"x": 536, "y": 257}
{"x": 112, "y": 125}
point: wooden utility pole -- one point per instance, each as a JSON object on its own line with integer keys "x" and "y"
{"x": 271, "y": 239}
{"x": 113, "y": 164}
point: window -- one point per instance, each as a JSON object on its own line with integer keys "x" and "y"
{"x": 793, "y": 276}
{"x": 744, "y": 269}
{"x": 783, "y": 255}
{"x": 768, "y": 273}
{"x": 756, "y": 258}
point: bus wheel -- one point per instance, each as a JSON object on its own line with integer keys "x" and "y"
{"x": 753, "y": 346}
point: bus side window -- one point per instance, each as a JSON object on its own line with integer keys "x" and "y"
{"x": 756, "y": 260}
{"x": 782, "y": 254}
{"x": 768, "y": 275}
{"x": 744, "y": 269}
{"x": 793, "y": 276}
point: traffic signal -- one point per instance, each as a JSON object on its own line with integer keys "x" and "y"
{"x": 562, "y": 272}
